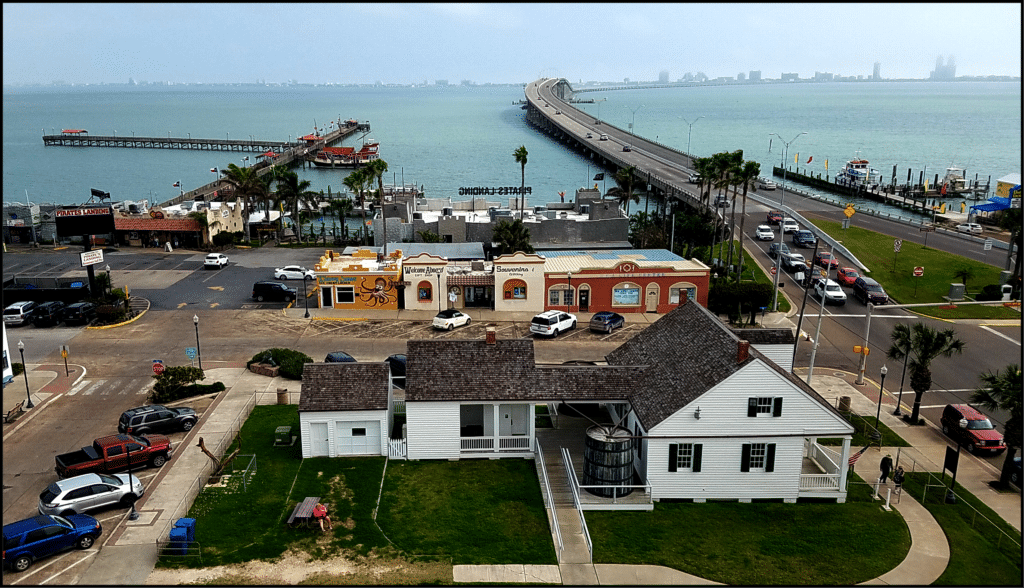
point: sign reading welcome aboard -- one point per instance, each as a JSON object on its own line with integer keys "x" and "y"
{"x": 500, "y": 191}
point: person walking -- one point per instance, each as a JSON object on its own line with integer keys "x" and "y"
{"x": 897, "y": 479}
{"x": 885, "y": 466}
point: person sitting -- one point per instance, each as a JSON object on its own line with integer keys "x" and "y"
{"x": 320, "y": 514}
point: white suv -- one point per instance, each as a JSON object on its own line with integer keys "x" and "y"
{"x": 552, "y": 322}
{"x": 831, "y": 291}
{"x": 217, "y": 260}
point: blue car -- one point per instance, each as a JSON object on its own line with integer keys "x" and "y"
{"x": 606, "y": 322}
{"x": 45, "y": 535}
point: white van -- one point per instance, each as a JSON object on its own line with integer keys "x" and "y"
{"x": 604, "y": 137}
{"x": 764, "y": 184}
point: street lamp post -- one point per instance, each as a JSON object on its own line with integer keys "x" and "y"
{"x": 878, "y": 411}
{"x": 633, "y": 110}
{"x": 24, "y": 370}
{"x": 304, "y": 297}
{"x": 109, "y": 285}
{"x": 568, "y": 297}
{"x": 195, "y": 321}
{"x": 782, "y": 201}
{"x": 597, "y": 121}
{"x": 688, "y": 136}
{"x": 950, "y": 496}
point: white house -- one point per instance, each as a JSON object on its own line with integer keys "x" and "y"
{"x": 345, "y": 409}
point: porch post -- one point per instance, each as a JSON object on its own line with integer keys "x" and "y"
{"x": 843, "y": 467}
{"x": 531, "y": 419}
{"x": 496, "y": 432}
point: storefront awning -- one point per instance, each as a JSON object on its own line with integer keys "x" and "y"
{"x": 471, "y": 280}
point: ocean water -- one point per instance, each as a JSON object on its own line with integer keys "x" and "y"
{"x": 446, "y": 138}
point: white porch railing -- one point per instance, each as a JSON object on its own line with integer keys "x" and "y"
{"x": 515, "y": 443}
{"x": 399, "y": 407}
{"x": 819, "y": 482}
{"x": 826, "y": 458}
{"x": 477, "y": 443}
{"x": 397, "y": 448}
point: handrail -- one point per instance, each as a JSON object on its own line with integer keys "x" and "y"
{"x": 539, "y": 456}
{"x": 573, "y": 485}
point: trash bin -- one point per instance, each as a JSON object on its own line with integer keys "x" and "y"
{"x": 282, "y": 395}
{"x": 179, "y": 541}
{"x": 190, "y": 528}
{"x": 844, "y": 404}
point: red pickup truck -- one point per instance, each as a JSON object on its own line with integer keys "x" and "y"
{"x": 110, "y": 454}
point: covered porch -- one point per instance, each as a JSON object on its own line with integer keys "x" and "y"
{"x": 823, "y": 470}
{"x": 496, "y": 430}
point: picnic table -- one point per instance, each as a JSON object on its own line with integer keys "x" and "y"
{"x": 302, "y": 514}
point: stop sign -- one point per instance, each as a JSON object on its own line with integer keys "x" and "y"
{"x": 918, "y": 271}
{"x": 774, "y": 270}
{"x": 158, "y": 368}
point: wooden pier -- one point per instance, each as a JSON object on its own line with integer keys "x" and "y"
{"x": 168, "y": 143}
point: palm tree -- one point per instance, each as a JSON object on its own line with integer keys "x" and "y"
{"x": 705, "y": 169}
{"x": 625, "y": 179}
{"x": 511, "y": 237}
{"x": 1002, "y": 391}
{"x": 1011, "y": 220}
{"x": 292, "y": 191}
{"x": 751, "y": 170}
{"x": 920, "y": 344}
{"x": 248, "y": 186}
{"x": 357, "y": 181}
{"x": 375, "y": 170}
{"x": 520, "y": 155}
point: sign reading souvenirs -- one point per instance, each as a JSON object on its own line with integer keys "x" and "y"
{"x": 84, "y": 220}
{"x": 501, "y": 191}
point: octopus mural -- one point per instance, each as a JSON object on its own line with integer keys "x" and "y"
{"x": 382, "y": 293}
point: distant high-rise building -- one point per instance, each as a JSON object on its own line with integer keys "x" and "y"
{"x": 944, "y": 72}
{"x": 790, "y": 77}
{"x": 740, "y": 77}
{"x": 755, "y": 76}
{"x": 663, "y": 77}
{"x": 877, "y": 73}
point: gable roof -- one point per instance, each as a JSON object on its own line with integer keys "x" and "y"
{"x": 344, "y": 386}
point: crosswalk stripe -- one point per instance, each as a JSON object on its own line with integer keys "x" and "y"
{"x": 78, "y": 387}
{"x": 93, "y": 388}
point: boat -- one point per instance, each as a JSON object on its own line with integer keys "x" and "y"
{"x": 858, "y": 172}
{"x": 345, "y": 157}
{"x": 954, "y": 181}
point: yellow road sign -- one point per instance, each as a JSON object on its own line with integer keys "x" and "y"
{"x": 859, "y": 349}
{"x": 849, "y": 211}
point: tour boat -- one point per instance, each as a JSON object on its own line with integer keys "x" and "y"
{"x": 346, "y": 157}
{"x": 857, "y": 172}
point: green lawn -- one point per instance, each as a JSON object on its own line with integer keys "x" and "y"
{"x": 863, "y": 427}
{"x": 758, "y": 543}
{"x": 895, "y": 271}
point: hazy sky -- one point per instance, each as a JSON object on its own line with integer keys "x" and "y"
{"x": 411, "y": 43}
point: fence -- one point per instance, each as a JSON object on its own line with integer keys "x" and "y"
{"x": 167, "y": 548}
{"x": 574, "y": 486}
{"x": 397, "y": 448}
{"x": 539, "y": 457}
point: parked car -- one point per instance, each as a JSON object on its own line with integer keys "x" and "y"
{"x": 19, "y": 313}
{"x": 789, "y": 225}
{"x": 552, "y": 322}
{"x": 293, "y": 272}
{"x": 868, "y": 290}
{"x": 338, "y": 357}
{"x": 215, "y": 260}
{"x": 847, "y": 276}
{"x": 273, "y": 291}
{"x": 45, "y": 535}
{"x": 397, "y": 363}
{"x": 110, "y": 454}
{"x": 156, "y": 419}
{"x": 826, "y": 260}
{"x": 765, "y": 184}
{"x": 450, "y": 318}
{"x": 764, "y": 233}
{"x": 89, "y": 492}
{"x": 830, "y": 290}
{"x": 722, "y": 201}
{"x": 774, "y": 217}
{"x": 775, "y": 248}
{"x": 972, "y": 228}
{"x": 79, "y": 312}
{"x": 794, "y": 262}
{"x": 606, "y": 322}
{"x": 979, "y": 434}
{"x": 804, "y": 238}
{"x": 48, "y": 314}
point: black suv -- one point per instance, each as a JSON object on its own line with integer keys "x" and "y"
{"x": 804, "y": 238}
{"x": 79, "y": 312}
{"x": 273, "y": 291}
{"x": 156, "y": 419}
{"x": 48, "y": 314}
{"x": 867, "y": 289}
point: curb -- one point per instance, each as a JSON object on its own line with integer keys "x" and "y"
{"x": 127, "y": 322}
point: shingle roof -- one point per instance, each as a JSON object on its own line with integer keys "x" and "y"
{"x": 344, "y": 386}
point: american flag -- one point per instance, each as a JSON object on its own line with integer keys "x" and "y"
{"x": 853, "y": 458}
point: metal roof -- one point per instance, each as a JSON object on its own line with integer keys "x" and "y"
{"x": 450, "y": 251}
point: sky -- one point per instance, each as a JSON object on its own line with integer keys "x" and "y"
{"x": 366, "y": 43}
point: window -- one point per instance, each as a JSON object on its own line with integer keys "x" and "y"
{"x": 345, "y": 294}
{"x": 553, "y": 298}
{"x": 673, "y": 294}
{"x": 684, "y": 457}
{"x": 759, "y": 405}
{"x": 626, "y": 296}
{"x": 758, "y": 457}
{"x": 425, "y": 292}
{"x": 358, "y": 432}
{"x": 115, "y": 450}
{"x": 567, "y": 297}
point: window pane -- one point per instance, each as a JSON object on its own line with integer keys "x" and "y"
{"x": 567, "y": 297}
{"x": 673, "y": 296}
{"x": 757, "y": 454}
{"x": 553, "y": 298}
{"x": 346, "y": 294}
{"x": 684, "y": 459}
{"x": 626, "y": 296}
{"x": 764, "y": 405}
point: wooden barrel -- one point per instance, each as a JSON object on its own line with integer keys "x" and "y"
{"x": 608, "y": 460}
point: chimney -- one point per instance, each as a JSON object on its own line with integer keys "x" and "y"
{"x": 742, "y": 351}
{"x": 684, "y": 296}
{"x": 492, "y": 336}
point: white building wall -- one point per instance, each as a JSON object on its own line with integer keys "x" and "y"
{"x": 332, "y": 419}
{"x": 432, "y": 430}
{"x": 780, "y": 354}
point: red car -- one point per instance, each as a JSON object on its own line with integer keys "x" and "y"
{"x": 978, "y": 435}
{"x": 826, "y": 259}
{"x": 847, "y": 276}
{"x": 775, "y": 217}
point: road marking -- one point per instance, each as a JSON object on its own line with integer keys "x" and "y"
{"x": 217, "y": 288}
{"x": 990, "y": 330}
{"x": 78, "y": 387}
{"x": 88, "y": 554}
{"x": 874, "y": 316}
{"x": 215, "y": 305}
{"x": 93, "y": 388}
{"x": 181, "y": 304}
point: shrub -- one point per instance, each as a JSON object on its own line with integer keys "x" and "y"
{"x": 990, "y": 292}
{"x": 290, "y": 361}
{"x": 172, "y": 384}
{"x": 111, "y": 314}
{"x": 17, "y": 368}
{"x": 223, "y": 239}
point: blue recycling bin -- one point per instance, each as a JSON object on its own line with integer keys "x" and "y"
{"x": 189, "y": 525}
{"x": 179, "y": 541}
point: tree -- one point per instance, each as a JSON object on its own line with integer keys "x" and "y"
{"x": 644, "y": 232}
{"x": 428, "y": 236}
{"x": 964, "y": 272}
{"x": 376, "y": 169}
{"x": 511, "y": 237}
{"x": 920, "y": 345}
{"x": 248, "y": 186}
{"x": 292, "y": 191}
{"x": 705, "y": 169}
{"x": 520, "y": 155}
{"x": 1011, "y": 220}
{"x": 357, "y": 181}
{"x": 625, "y": 179}
{"x": 750, "y": 171}
{"x": 1002, "y": 390}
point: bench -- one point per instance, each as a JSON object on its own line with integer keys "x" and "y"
{"x": 302, "y": 514}
{"x": 14, "y": 412}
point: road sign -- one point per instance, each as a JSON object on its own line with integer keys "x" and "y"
{"x": 896, "y": 245}
{"x": 849, "y": 211}
{"x": 988, "y": 244}
{"x": 64, "y": 351}
{"x": 918, "y": 271}
{"x": 190, "y": 352}
{"x": 774, "y": 270}
{"x": 158, "y": 368}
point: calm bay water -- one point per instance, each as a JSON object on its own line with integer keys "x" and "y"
{"x": 452, "y": 137}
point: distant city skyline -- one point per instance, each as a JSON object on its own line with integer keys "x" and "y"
{"x": 405, "y": 44}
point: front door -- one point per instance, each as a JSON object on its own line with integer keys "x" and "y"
{"x": 318, "y": 439}
{"x": 652, "y": 298}
{"x": 584, "y": 300}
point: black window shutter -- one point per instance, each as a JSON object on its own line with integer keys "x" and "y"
{"x": 673, "y": 453}
{"x": 697, "y": 451}
{"x": 745, "y": 459}
{"x": 752, "y": 407}
{"x": 777, "y": 409}
{"x": 769, "y": 459}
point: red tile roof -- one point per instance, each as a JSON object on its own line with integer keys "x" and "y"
{"x": 154, "y": 224}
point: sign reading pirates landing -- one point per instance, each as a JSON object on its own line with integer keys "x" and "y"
{"x": 89, "y": 219}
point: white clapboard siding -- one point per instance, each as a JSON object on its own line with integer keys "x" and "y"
{"x": 332, "y": 419}
{"x": 432, "y": 430}
{"x": 780, "y": 354}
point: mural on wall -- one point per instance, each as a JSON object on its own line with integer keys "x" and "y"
{"x": 382, "y": 293}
